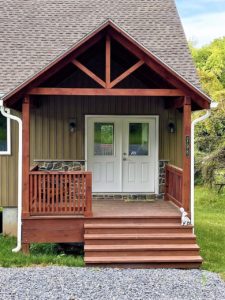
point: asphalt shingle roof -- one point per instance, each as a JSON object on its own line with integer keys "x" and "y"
{"x": 34, "y": 32}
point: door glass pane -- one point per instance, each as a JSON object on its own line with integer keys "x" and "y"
{"x": 103, "y": 138}
{"x": 138, "y": 139}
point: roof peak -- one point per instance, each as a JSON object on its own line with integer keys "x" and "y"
{"x": 108, "y": 28}
{"x": 35, "y": 33}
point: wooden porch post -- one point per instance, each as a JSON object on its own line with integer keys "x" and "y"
{"x": 26, "y": 154}
{"x": 186, "y": 183}
{"x": 88, "y": 212}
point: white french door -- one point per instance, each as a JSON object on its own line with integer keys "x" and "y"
{"x": 103, "y": 147}
{"x": 121, "y": 152}
{"x": 138, "y": 165}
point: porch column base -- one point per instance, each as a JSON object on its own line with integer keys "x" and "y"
{"x": 26, "y": 248}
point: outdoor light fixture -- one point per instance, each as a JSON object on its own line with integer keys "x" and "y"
{"x": 171, "y": 127}
{"x": 72, "y": 125}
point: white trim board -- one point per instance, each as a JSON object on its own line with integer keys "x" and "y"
{"x": 8, "y": 125}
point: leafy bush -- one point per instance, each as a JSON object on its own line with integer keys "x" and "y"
{"x": 210, "y": 135}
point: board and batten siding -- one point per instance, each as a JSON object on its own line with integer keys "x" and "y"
{"x": 51, "y": 139}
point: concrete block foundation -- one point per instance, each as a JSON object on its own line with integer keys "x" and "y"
{"x": 10, "y": 221}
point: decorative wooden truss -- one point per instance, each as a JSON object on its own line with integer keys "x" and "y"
{"x": 107, "y": 86}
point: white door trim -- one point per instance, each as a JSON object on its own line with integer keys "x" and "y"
{"x": 155, "y": 117}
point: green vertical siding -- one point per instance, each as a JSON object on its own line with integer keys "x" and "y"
{"x": 51, "y": 139}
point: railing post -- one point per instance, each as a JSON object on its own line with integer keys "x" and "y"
{"x": 88, "y": 211}
{"x": 166, "y": 184}
{"x": 186, "y": 185}
{"x": 173, "y": 191}
{"x": 26, "y": 154}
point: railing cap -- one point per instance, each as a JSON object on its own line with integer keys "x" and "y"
{"x": 60, "y": 172}
{"x": 174, "y": 168}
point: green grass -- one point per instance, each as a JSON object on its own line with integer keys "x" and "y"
{"x": 40, "y": 254}
{"x": 210, "y": 228}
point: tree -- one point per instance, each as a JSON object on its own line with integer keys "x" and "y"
{"x": 210, "y": 135}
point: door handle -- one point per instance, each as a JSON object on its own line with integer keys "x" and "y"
{"x": 124, "y": 153}
{"x": 124, "y": 159}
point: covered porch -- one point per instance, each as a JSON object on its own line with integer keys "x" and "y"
{"x": 111, "y": 111}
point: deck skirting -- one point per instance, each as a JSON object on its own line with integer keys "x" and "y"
{"x": 53, "y": 230}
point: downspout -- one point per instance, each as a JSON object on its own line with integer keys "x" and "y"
{"x": 198, "y": 120}
{"x": 19, "y": 222}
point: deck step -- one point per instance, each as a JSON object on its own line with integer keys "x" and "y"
{"x": 140, "y": 242}
{"x": 139, "y": 239}
{"x": 155, "y": 247}
{"x": 143, "y": 259}
{"x": 136, "y": 228}
{"x": 127, "y": 236}
{"x": 141, "y": 250}
{"x": 134, "y": 225}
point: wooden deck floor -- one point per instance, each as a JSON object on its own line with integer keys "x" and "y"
{"x": 122, "y": 208}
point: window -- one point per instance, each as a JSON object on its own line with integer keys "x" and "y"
{"x": 104, "y": 139}
{"x": 138, "y": 139}
{"x": 4, "y": 135}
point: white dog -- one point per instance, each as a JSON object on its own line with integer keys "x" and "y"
{"x": 184, "y": 218}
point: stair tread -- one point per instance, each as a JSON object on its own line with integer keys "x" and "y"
{"x": 133, "y": 225}
{"x": 144, "y": 259}
{"x": 137, "y": 235}
{"x": 141, "y": 247}
{"x": 134, "y": 217}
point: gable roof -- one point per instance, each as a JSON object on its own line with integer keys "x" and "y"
{"x": 34, "y": 33}
{"x": 201, "y": 99}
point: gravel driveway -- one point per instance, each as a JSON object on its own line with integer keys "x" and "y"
{"x": 119, "y": 284}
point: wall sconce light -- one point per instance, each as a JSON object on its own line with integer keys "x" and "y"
{"x": 171, "y": 127}
{"x": 72, "y": 125}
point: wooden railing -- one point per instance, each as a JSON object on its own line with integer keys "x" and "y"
{"x": 174, "y": 179}
{"x": 60, "y": 193}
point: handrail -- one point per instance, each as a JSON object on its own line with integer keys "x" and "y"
{"x": 174, "y": 168}
{"x": 59, "y": 172}
{"x": 174, "y": 180}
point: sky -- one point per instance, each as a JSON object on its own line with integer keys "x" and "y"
{"x": 203, "y": 20}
